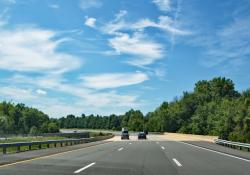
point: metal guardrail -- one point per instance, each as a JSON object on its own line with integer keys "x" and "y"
{"x": 232, "y": 144}
{"x": 68, "y": 135}
{"x": 65, "y": 142}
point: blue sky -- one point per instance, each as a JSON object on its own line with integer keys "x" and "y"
{"x": 108, "y": 56}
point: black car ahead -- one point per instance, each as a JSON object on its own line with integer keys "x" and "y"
{"x": 125, "y": 135}
{"x": 142, "y": 135}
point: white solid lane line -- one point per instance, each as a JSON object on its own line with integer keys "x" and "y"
{"x": 120, "y": 149}
{"x": 84, "y": 168}
{"x": 225, "y": 154}
{"x": 163, "y": 147}
{"x": 130, "y": 143}
{"x": 177, "y": 163}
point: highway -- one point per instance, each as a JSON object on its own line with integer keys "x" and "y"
{"x": 149, "y": 157}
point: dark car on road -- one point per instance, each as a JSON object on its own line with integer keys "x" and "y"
{"x": 142, "y": 135}
{"x": 125, "y": 135}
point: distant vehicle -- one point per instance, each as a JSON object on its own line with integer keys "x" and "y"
{"x": 142, "y": 135}
{"x": 146, "y": 132}
{"x": 75, "y": 131}
{"x": 125, "y": 134}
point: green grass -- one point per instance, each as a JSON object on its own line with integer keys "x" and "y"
{"x": 26, "y": 148}
{"x": 30, "y": 139}
{"x": 35, "y": 147}
{"x": 88, "y": 130}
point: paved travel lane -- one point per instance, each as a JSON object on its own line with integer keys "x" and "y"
{"x": 149, "y": 157}
{"x": 63, "y": 163}
{"x": 196, "y": 160}
{"x": 141, "y": 157}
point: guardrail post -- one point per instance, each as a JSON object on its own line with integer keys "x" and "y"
{"x": 65, "y": 142}
{"x": 4, "y": 150}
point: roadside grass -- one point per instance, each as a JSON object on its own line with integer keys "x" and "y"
{"x": 28, "y": 139}
{"x": 89, "y": 130}
{"x": 39, "y": 138}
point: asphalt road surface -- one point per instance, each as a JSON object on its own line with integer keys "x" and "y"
{"x": 149, "y": 157}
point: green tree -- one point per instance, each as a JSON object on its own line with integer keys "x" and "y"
{"x": 53, "y": 127}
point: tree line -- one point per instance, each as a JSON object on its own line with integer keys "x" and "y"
{"x": 214, "y": 107}
{"x": 19, "y": 119}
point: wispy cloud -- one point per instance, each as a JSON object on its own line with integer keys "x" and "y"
{"x": 24, "y": 89}
{"x": 90, "y": 21}
{"x": 227, "y": 44}
{"x": 113, "y": 80}
{"x": 34, "y": 49}
{"x": 4, "y": 17}
{"x": 163, "y": 5}
{"x": 9, "y": 1}
{"x": 131, "y": 38}
{"x": 54, "y": 6}
{"x": 41, "y": 92}
{"x": 144, "y": 50}
{"x": 86, "y": 4}
{"x": 165, "y": 23}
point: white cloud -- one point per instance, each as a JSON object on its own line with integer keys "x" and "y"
{"x": 33, "y": 49}
{"x": 9, "y": 1}
{"x": 120, "y": 15}
{"x": 90, "y": 22}
{"x": 41, "y": 92}
{"x": 113, "y": 80}
{"x": 165, "y": 23}
{"x": 146, "y": 51}
{"x": 163, "y": 5}
{"x": 86, "y": 4}
{"x": 4, "y": 17}
{"x": 83, "y": 99}
{"x": 227, "y": 44}
{"x": 130, "y": 37}
{"x": 36, "y": 52}
{"x": 14, "y": 93}
{"x": 54, "y": 6}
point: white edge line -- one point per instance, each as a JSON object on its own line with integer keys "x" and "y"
{"x": 177, "y": 162}
{"x": 163, "y": 147}
{"x": 120, "y": 149}
{"x": 84, "y": 168}
{"x": 225, "y": 154}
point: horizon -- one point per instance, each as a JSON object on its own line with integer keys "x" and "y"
{"x": 65, "y": 57}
